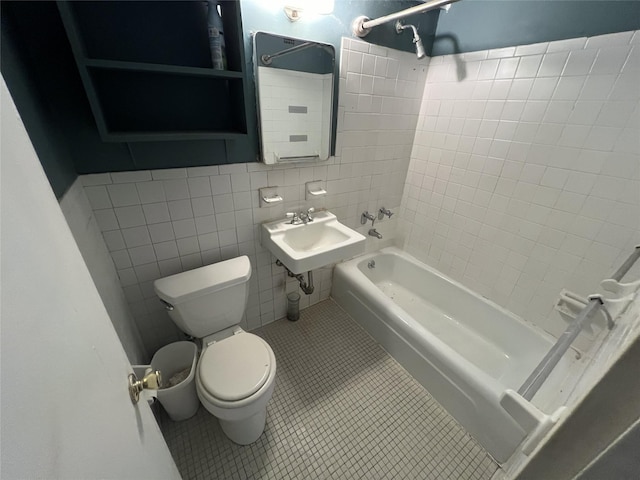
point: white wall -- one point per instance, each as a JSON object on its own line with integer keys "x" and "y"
{"x": 77, "y": 211}
{"x": 524, "y": 176}
{"x": 156, "y": 223}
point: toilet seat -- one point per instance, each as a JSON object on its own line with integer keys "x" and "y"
{"x": 236, "y": 367}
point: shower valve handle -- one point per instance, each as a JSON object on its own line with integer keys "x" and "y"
{"x": 365, "y": 217}
{"x": 382, "y": 212}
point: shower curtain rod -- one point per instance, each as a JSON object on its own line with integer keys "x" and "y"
{"x": 533, "y": 383}
{"x": 363, "y": 25}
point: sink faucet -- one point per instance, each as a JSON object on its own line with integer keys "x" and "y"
{"x": 302, "y": 217}
{"x": 374, "y": 233}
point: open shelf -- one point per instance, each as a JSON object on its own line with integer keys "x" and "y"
{"x": 147, "y": 71}
{"x": 174, "y": 136}
{"x": 160, "y": 32}
{"x": 135, "y": 101}
{"x": 156, "y": 68}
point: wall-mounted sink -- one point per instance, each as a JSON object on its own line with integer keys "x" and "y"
{"x": 312, "y": 245}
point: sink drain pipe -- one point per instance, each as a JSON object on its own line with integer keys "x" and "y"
{"x": 305, "y": 286}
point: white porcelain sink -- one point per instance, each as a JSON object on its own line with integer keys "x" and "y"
{"x": 312, "y": 245}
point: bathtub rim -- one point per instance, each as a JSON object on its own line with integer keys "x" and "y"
{"x": 405, "y": 255}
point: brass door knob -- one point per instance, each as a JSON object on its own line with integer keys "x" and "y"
{"x": 151, "y": 381}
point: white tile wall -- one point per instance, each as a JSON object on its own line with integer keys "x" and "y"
{"x": 156, "y": 223}
{"x": 76, "y": 207}
{"x": 525, "y": 171}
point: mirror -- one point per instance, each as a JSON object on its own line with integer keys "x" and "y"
{"x": 294, "y": 89}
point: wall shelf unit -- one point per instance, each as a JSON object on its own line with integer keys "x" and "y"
{"x": 147, "y": 71}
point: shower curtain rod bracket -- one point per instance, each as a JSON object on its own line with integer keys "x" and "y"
{"x": 357, "y": 27}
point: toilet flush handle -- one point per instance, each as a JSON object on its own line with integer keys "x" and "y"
{"x": 167, "y": 305}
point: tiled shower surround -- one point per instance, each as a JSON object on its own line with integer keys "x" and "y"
{"x": 159, "y": 222}
{"x": 525, "y": 172}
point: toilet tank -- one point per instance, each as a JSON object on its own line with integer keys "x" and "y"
{"x": 207, "y": 299}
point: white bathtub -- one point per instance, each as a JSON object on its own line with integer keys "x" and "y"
{"x": 470, "y": 354}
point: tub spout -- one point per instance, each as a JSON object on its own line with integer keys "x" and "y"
{"x": 374, "y": 233}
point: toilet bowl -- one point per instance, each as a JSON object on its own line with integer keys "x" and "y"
{"x": 234, "y": 382}
{"x": 236, "y": 370}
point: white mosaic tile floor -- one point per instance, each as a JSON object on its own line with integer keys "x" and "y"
{"x": 342, "y": 409}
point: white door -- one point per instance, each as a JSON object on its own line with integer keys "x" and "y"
{"x": 65, "y": 409}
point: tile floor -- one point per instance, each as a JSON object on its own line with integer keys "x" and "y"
{"x": 342, "y": 409}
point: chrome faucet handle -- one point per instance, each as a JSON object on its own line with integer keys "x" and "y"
{"x": 382, "y": 212}
{"x": 367, "y": 216}
{"x": 295, "y": 219}
{"x": 310, "y": 210}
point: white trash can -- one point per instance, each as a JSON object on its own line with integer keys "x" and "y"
{"x": 177, "y": 364}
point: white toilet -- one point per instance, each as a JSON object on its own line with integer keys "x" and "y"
{"x": 236, "y": 370}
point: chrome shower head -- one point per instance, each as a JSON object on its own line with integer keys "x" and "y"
{"x": 419, "y": 47}
{"x": 416, "y": 38}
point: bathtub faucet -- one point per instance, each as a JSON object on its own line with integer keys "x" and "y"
{"x": 384, "y": 211}
{"x": 366, "y": 216}
{"x": 374, "y": 233}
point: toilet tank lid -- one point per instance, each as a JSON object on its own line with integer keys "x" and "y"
{"x": 184, "y": 286}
